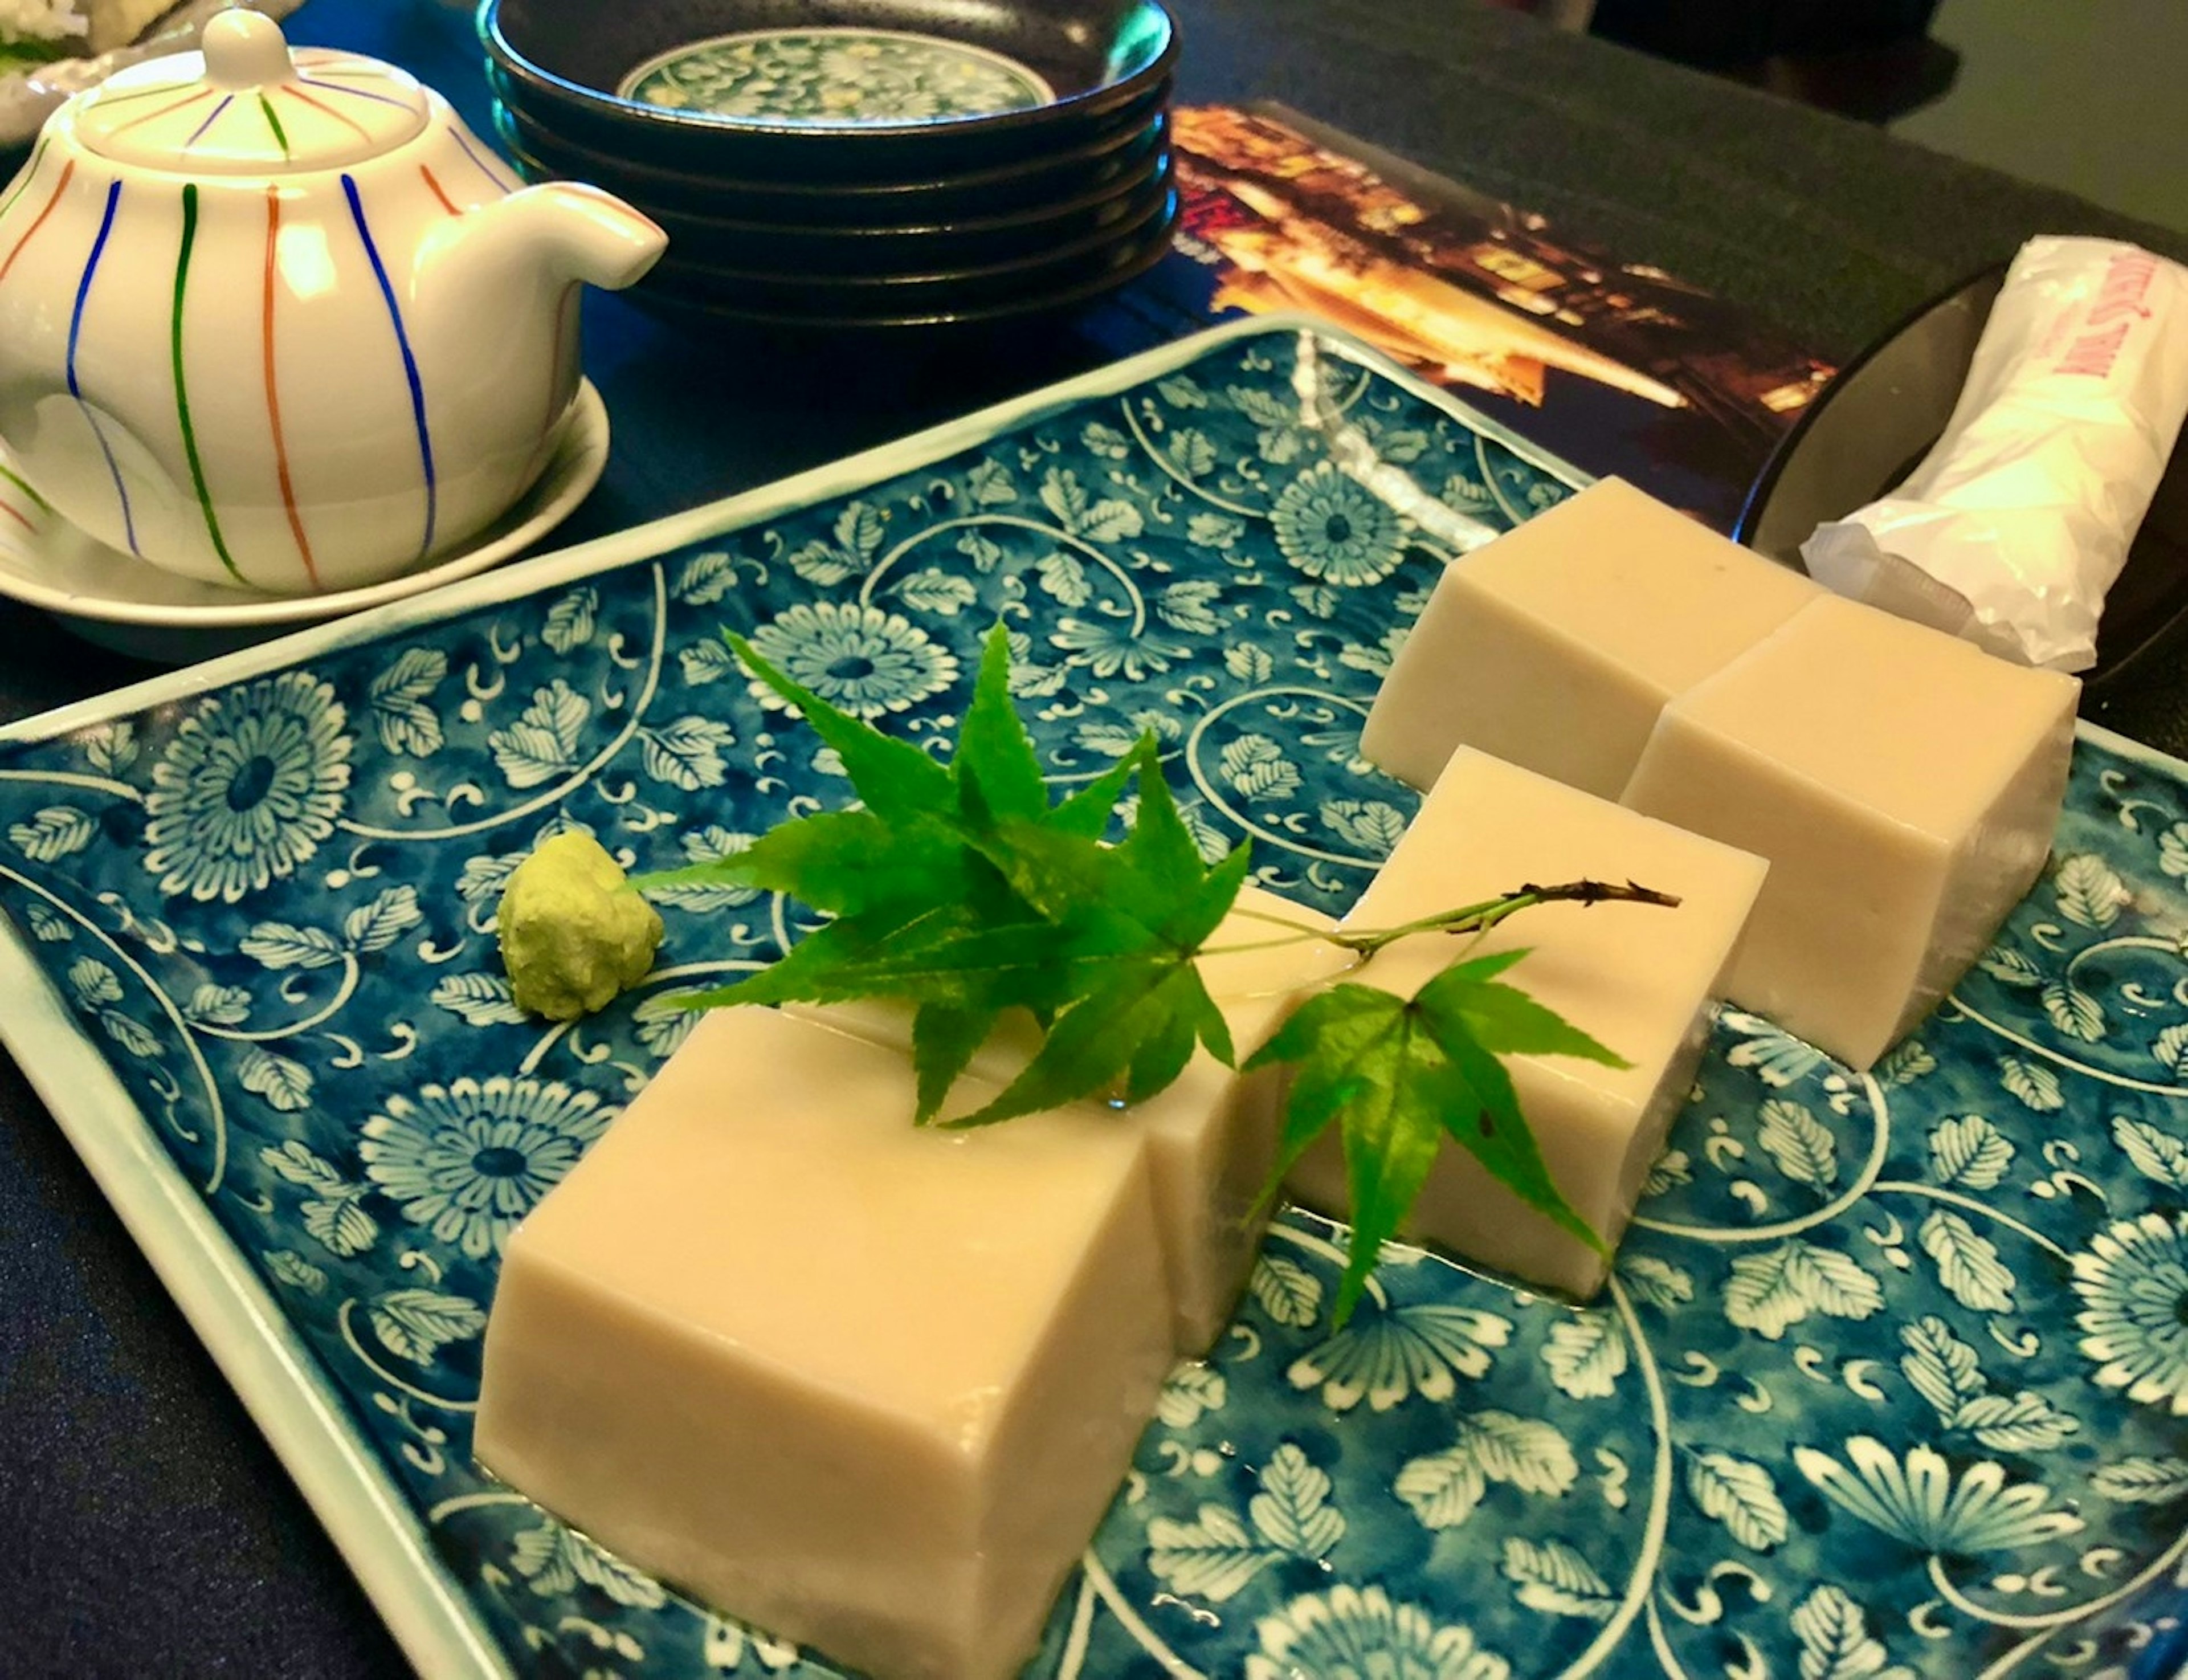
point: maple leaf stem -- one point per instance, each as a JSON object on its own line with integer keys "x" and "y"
{"x": 1474, "y": 918}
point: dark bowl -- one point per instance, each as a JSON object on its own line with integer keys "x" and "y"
{"x": 1025, "y": 237}
{"x": 935, "y": 320}
{"x": 569, "y": 57}
{"x": 701, "y": 295}
{"x": 1119, "y": 152}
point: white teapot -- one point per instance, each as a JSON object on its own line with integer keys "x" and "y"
{"x": 277, "y": 320}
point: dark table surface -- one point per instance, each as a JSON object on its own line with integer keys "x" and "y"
{"x": 150, "y": 1530}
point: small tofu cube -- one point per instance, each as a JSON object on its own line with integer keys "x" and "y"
{"x": 1904, "y": 786}
{"x": 1638, "y": 979}
{"x": 1212, "y": 1135}
{"x": 1556, "y": 646}
{"x": 867, "y": 1385}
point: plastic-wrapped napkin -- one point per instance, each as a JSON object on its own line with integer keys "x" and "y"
{"x": 2016, "y": 523}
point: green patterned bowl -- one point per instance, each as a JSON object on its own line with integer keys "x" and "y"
{"x": 828, "y": 90}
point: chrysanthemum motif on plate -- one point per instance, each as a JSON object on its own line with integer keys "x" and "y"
{"x": 860, "y": 658}
{"x": 251, "y": 786}
{"x": 1921, "y": 1501}
{"x": 1333, "y": 527}
{"x": 2134, "y": 1279}
{"x": 469, "y": 1159}
{"x": 1352, "y": 1633}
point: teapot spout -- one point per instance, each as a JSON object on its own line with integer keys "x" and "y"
{"x": 536, "y": 242}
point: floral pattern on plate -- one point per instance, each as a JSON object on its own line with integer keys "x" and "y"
{"x": 1892, "y": 1378}
{"x": 837, "y": 78}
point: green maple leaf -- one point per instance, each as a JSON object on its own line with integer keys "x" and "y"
{"x": 1398, "y": 1077}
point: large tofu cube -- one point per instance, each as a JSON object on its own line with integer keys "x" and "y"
{"x": 1556, "y": 646}
{"x": 1637, "y": 978}
{"x": 867, "y": 1385}
{"x": 1212, "y": 1135}
{"x": 1904, "y": 786}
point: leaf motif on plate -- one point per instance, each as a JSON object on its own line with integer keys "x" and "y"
{"x": 1940, "y": 1366}
{"x": 931, "y": 589}
{"x": 1835, "y": 1642}
{"x": 1371, "y": 826}
{"x": 1387, "y": 1354}
{"x": 2088, "y": 890}
{"x": 375, "y": 926}
{"x": 213, "y": 1005}
{"x": 1740, "y": 1494}
{"x": 47, "y": 927}
{"x": 416, "y": 1324}
{"x": 1655, "y": 1280}
{"x": 709, "y": 845}
{"x": 293, "y": 1269}
{"x": 1585, "y": 1354}
{"x": 1257, "y": 768}
{"x": 1802, "y": 1145}
{"x": 479, "y": 1000}
{"x": 2143, "y": 1481}
{"x": 277, "y": 945}
{"x": 1968, "y": 1150}
{"x": 1444, "y": 1488}
{"x": 340, "y": 1225}
{"x": 297, "y": 1162}
{"x": 285, "y": 1085}
{"x": 2003, "y": 963}
{"x": 991, "y": 483}
{"x": 704, "y": 578}
{"x": 1193, "y": 1389}
{"x": 1064, "y": 578}
{"x": 1968, "y": 1264}
{"x": 93, "y": 982}
{"x": 555, "y": 1559}
{"x": 1246, "y": 663}
{"x": 687, "y": 753}
{"x": 1288, "y": 1292}
{"x": 1317, "y": 601}
{"x": 1191, "y": 452}
{"x": 1771, "y": 1291}
{"x": 2074, "y": 1011}
{"x": 2172, "y": 850}
{"x": 1292, "y": 1510}
{"x": 130, "y": 1033}
{"x": 1105, "y": 441}
{"x": 707, "y": 661}
{"x": 1907, "y": 1064}
{"x": 2159, "y": 1156}
{"x": 2015, "y": 1423}
{"x": 1213, "y": 1557}
{"x": 1667, "y": 1172}
{"x": 662, "y": 1024}
{"x": 1553, "y": 1578}
{"x": 111, "y": 748}
{"x": 1777, "y": 1058}
{"x": 1218, "y": 531}
{"x": 53, "y": 832}
{"x": 570, "y": 620}
{"x": 1190, "y": 607}
{"x": 542, "y": 743}
{"x": 2034, "y": 1084}
{"x": 397, "y": 702}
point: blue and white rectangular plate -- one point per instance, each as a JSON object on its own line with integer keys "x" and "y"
{"x": 1893, "y": 1377}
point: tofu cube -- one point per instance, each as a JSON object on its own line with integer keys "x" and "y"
{"x": 867, "y": 1385}
{"x": 1904, "y": 786}
{"x": 1638, "y": 979}
{"x": 1212, "y": 1135}
{"x": 1556, "y": 646}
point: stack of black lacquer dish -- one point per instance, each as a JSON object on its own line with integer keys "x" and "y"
{"x": 851, "y": 164}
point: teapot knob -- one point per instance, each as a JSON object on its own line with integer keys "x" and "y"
{"x": 243, "y": 48}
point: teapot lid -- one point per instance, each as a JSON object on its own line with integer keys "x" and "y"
{"x": 246, "y": 105}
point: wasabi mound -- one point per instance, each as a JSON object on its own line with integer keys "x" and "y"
{"x": 574, "y": 931}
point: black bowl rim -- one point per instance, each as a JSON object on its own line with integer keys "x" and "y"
{"x": 1088, "y": 102}
{"x": 1157, "y": 247}
{"x": 628, "y": 171}
{"x": 848, "y": 235}
{"x": 1161, "y": 203}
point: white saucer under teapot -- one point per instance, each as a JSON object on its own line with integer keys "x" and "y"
{"x": 276, "y": 319}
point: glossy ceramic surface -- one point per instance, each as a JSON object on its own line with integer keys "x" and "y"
{"x": 566, "y": 59}
{"x": 258, "y": 340}
{"x": 834, "y": 78}
{"x": 1108, "y": 152}
{"x": 1892, "y": 1378}
{"x": 107, "y": 597}
{"x": 852, "y": 250}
